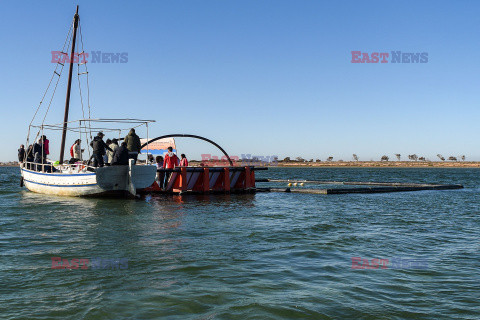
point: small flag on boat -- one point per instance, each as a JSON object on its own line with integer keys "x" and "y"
{"x": 159, "y": 147}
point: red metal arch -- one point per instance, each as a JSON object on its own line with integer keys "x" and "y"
{"x": 189, "y": 136}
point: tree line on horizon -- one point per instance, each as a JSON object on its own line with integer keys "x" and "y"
{"x": 411, "y": 157}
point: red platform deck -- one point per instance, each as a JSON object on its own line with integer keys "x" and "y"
{"x": 200, "y": 180}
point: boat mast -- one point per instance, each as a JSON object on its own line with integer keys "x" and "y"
{"x": 69, "y": 86}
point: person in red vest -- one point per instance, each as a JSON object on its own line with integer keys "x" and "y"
{"x": 169, "y": 162}
{"x": 183, "y": 161}
{"x": 46, "y": 145}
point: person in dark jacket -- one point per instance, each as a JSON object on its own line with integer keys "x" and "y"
{"x": 39, "y": 151}
{"x": 133, "y": 145}
{"x": 30, "y": 157}
{"x": 99, "y": 147}
{"x": 21, "y": 153}
{"x": 161, "y": 174}
{"x": 120, "y": 155}
{"x": 39, "y": 154}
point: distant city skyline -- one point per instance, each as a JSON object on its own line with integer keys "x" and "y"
{"x": 258, "y": 77}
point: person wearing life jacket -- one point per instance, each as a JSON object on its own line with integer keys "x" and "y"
{"x": 183, "y": 161}
{"x": 170, "y": 162}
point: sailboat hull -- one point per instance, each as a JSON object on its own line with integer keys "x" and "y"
{"x": 105, "y": 181}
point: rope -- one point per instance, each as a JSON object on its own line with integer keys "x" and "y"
{"x": 88, "y": 92}
{"x": 51, "y": 99}
{"x": 48, "y": 87}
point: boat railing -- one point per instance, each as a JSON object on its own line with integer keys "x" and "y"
{"x": 63, "y": 168}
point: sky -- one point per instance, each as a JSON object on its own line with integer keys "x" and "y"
{"x": 257, "y": 77}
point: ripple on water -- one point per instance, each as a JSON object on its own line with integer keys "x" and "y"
{"x": 265, "y": 256}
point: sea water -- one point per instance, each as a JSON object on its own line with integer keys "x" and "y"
{"x": 262, "y": 256}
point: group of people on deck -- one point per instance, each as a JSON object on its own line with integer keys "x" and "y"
{"x": 35, "y": 154}
{"x": 169, "y": 162}
{"x": 109, "y": 152}
{"x": 103, "y": 153}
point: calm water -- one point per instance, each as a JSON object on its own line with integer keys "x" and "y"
{"x": 263, "y": 256}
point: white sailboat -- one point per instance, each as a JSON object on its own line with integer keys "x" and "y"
{"x": 77, "y": 180}
{"x": 80, "y": 179}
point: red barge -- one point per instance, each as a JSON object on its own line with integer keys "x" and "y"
{"x": 201, "y": 180}
{"x": 205, "y": 179}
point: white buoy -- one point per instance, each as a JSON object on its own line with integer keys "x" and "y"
{"x": 295, "y": 184}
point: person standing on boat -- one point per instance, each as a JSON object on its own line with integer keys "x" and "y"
{"x": 46, "y": 146}
{"x": 30, "y": 157}
{"x": 171, "y": 159}
{"x": 183, "y": 161}
{"x": 120, "y": 155}
{"x": 161, "y": 174}
{"x": 99, "y": 147}
{"x": 105, "y": 156}
{"x": 133, "y": 145}
{"x": 39, "y": 153}
{"x": 150, "y": 159}
{"x": 21, "y": 153}
{"x": 76, "y": 151}
{"x": 170, "y": 162}
{"x": 114, "y": 146}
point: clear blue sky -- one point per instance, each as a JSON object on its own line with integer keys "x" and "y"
{"x": 259, "y": 77}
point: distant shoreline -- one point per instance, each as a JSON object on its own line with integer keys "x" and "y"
{"x": 383, "y": 164}
{"x": 346, "y": 164}
{"x": 357, "y": 164}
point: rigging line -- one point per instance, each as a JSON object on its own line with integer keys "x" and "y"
{"x": 54, "y": 90}
{"x": 80, "y": 89}
{"x": 88, "y": 91}
{"x": 49, "y": 83}
{"x": 81, "y": 99}
{"x": 88, "y": 86}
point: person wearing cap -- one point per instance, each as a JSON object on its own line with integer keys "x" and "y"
{"x": 98, "y": 146}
